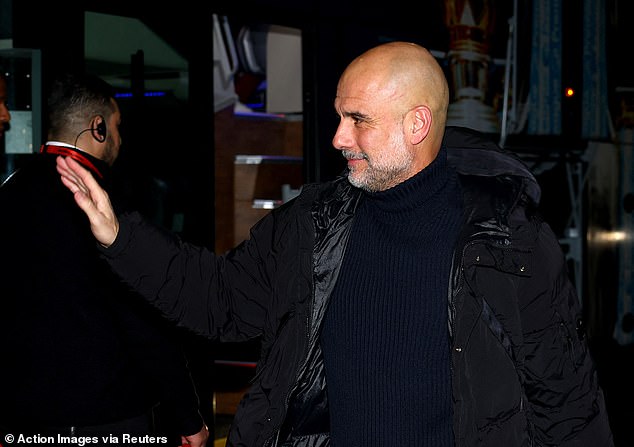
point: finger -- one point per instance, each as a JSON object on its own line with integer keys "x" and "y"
{"x": 70, "y": 179}
{"x": 64, "y": 171}
{"x": 82, "y": 173}
{"x": 76, "y": 173}
{"x": 82, "y": 198}
{"x": 87, "y": 183}
{"x": 70, "y": 184}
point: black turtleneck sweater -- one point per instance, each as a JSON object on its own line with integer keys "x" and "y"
{"x": 385, "y": 338}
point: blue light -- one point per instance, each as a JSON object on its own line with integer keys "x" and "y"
{"x": 146, "y": 94}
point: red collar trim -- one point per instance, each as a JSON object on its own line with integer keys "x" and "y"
{"x": 72, "y": 153}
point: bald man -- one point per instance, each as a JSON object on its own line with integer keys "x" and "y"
{"x": 417, "y": 300}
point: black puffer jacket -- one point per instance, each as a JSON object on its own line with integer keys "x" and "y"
{"x": 522, "y": 374}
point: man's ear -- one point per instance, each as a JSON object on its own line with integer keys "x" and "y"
{"x": 421, "y": 116}
{"x": 98, "y": 128}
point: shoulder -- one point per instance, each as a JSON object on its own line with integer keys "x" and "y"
{"x": 36, "y": 186}
{"x": 474, "y": 153}
{"x": 489, "y": 173}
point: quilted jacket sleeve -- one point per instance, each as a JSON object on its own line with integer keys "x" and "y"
{"x": 220, "y": 297}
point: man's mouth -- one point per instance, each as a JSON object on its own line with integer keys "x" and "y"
{"x": 351, "y": 156}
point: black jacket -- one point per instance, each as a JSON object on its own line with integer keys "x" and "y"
{"x": 521, "y": 371}
{"x": 78, "y": 348}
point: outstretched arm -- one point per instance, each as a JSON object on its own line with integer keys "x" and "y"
{"x": 91, "y": 198}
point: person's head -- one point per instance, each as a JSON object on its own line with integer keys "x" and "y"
{"x": 5, "y": 116}
{"x": 392, "y": 102}
{"x": 82, "y": 112}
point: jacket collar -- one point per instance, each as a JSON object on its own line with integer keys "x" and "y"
{"x": 99, "y": 168}
{"x": 471, "y": 153}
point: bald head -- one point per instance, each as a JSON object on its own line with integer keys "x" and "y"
{"x": 405, "y": 74}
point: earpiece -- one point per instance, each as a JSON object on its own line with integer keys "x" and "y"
{"x": 100, "y": 130}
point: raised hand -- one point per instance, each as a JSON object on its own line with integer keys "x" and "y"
{"x": 91, "y": 198}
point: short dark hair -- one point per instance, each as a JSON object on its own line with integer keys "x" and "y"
{"x": 74, "y": 100}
